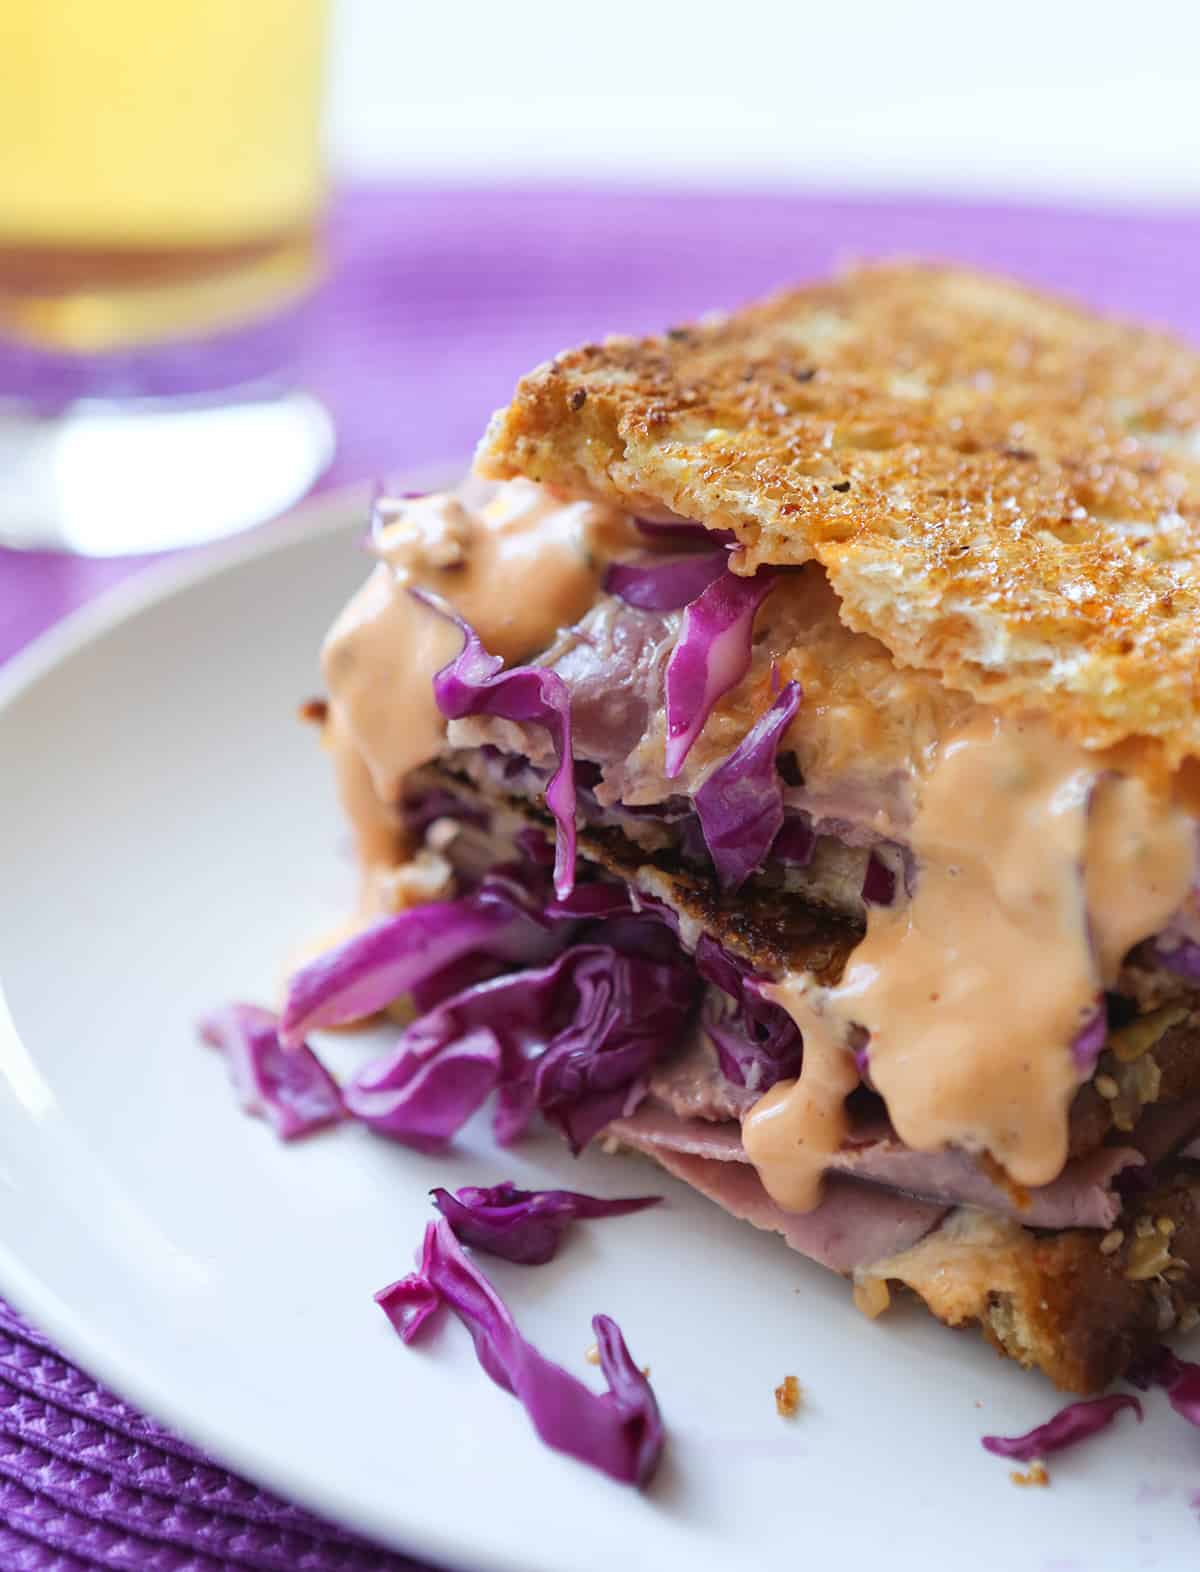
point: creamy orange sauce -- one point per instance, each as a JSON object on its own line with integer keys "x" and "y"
{"x": 1034, "y": 878}
{"x": 378, "y": 832}
{"x": 518, "y": 569}
{"x": 1137, "y": 860}
{"x": 792, "y": 1131}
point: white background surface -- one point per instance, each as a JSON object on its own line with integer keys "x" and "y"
{"x": 1053, "y": 98}
{"x": 224, "y": 1280}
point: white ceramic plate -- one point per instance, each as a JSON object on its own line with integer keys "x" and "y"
{"x": 168, "y": 834}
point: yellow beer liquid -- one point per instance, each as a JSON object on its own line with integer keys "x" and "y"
{"x": 160, "y": 168}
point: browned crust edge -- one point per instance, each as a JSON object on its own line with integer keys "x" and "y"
{"x": 1081, "y": 1311}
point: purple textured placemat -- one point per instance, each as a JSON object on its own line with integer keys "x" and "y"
{"x": 437, "y": 301}
{"x": 86, "y": 1481}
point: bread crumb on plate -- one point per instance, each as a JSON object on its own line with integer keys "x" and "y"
{"x": 787, "y": 1398}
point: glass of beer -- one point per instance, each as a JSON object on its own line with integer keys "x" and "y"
{"x": 161, "y": 183}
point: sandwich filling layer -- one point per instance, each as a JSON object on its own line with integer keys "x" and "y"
{"x": 730, "y": 735}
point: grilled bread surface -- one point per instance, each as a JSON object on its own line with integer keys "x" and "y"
{"x": 1003, "y": 488}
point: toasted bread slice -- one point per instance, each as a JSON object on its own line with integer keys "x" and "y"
{"x": 1076, "y": 1304}
{"x": 1003, "y": 488}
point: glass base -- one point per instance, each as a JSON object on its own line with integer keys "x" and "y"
{"x": 108, "y": 479}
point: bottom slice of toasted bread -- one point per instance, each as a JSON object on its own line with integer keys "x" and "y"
{"x": 1079, "y": 1305}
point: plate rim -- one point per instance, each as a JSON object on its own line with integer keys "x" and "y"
{"x": 325, "y": 514}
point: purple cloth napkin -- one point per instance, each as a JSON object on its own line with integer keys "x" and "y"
{"x": 437, "y": 301}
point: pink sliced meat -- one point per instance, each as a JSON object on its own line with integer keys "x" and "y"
{"x": 1082, "y": 1197}
{"x": 657, "y": 1129}
{"x": 855, "y": 1224}
{"x": 691, "y": 1085}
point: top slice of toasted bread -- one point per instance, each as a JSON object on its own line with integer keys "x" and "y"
{"x": 1003, "y": 488}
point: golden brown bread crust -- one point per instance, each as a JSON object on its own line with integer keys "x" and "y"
{"x": 1078, "y": 1305}
{"x": 1004, "y": 489}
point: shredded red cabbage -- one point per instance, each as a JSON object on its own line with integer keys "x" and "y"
{"x": 1091, "y": 1037}
{"x": 608, "y": 1017}
{"x": 619, "y": 1432}
{"x": 664, "y": 583}
{"x": 1180, "y": 1378}
{"x": 757, "y": 1042}
{"x": 711, "y": 655}
{"x": 683, "y": 532}
{"x": 1071, "y": 1425}
{"x": 1181, "y": 956}
{"x": 1157, "y": 1366}
{"x": 740, "y": 804}
{"x": 526, "y": 1226}
{"x": 536, "y": 847}
{"x": 411, "y": 1301}
{"x": 1184, "y": 1392}
{"x": 573, "y": 1039}
{"x": 590, "y": 902}
{"x": 424, "y": 1094}
{"x": 604, "y": 989}
{"x": 879, "y": 882}
{"x": 796, "y": 841}
{"x": 475, "y": 683}
{"x": 289, "y": 1087}
{"x": 376, "y": 967}
{"x": 435, "y": 802}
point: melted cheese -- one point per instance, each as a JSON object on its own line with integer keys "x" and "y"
{"x": 1034, "y": 878}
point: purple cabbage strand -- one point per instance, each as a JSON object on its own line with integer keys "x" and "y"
{"x": 526, "y": 1226}
{"x": 664, "y": 583}
{"x": 711, "y": 656}
{"x": 574, "y": 1039}
{"x": 796, "y": 841}
{"x": 683, "y": 532}
{"x": 374, "y": 968}
{"x": 740, "y": 804}
{"x": 289, "y": 1087}
{"x": 1181, "y": 956}
{"x": 1179, "y": 1377}
{"x": 1071, "y": 1425}
{"x": 424, "y": 1094}
{"x": 476, "y": 683}
{"x": 1091, "y": 1037}
{"x": 620, "y": 1431}
{"x": 411, "y": 1301}
{"x": 756, "y": 1041}
{"x": 879, "y": 882}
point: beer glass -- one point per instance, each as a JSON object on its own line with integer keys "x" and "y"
{"x": 161, "y": 185}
